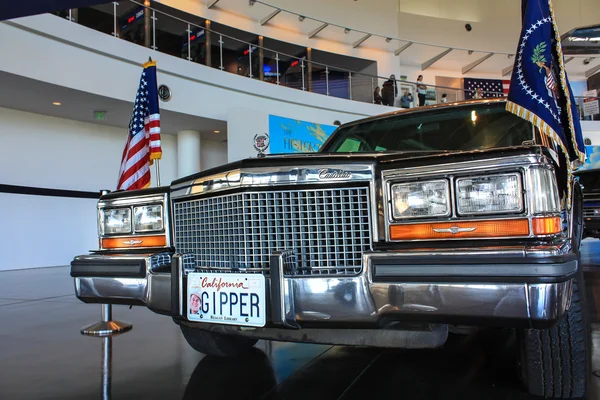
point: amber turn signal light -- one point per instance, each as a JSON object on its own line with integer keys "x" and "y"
{"x": 134, "y": 241}
{"x": 455, "y": 230}
{"x": 546, "y": 225}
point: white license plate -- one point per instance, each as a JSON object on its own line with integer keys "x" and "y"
{"x": 235, "y": 299}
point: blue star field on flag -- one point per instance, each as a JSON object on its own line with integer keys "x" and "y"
{"x": 539, "y": 90}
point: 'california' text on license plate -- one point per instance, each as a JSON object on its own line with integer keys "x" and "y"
{"x": 235, "y": 299}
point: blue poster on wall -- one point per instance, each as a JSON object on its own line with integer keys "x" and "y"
{"x": 293, "y": 136}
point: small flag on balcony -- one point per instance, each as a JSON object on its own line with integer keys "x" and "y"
{"x": 539, "y": 89}
{"x": 143, "y": 139}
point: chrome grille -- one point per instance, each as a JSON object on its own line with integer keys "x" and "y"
{"x": 327, "y": 229}
{"x": 590, "y": 212}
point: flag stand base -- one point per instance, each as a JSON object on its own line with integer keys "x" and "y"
{"x": 106, "y": 327}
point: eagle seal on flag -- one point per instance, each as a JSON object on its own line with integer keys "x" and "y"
{"x": 539, "y": 59}
{"x": 539, "y": 90}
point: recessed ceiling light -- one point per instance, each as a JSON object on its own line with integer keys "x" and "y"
{"x": 57, "y": 103}
{"x": 217, "y": 131}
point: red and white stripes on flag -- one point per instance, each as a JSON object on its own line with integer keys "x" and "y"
{"x": 143, "y": 139}
{"x": 153, "y": 127}
{"x": 505, "y": 86}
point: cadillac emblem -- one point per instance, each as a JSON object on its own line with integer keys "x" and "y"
{"x": 453, "y": 230}
{"x": 333, "y": 174}
{"x": 261, "y": 143}
{"x": 132, "y": 242}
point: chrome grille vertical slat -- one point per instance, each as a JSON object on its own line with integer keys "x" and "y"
{"x": 327, "y": 229}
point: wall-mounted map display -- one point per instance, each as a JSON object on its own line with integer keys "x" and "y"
{"x": 294, "y": 136}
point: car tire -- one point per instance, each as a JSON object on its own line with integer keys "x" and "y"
{"x": 556, "y": 362}
{"x": 216, "y": 344}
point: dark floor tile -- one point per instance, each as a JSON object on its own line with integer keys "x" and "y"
{"x": 327, "y": 376}
{"x": 36, "y": 283}
{"x": 466, "y": 368}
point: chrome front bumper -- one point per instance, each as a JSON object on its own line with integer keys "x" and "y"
{"x": 383, "y": 292}
{"x": 144, "y": 282}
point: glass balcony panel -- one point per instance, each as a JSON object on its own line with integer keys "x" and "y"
{"x": 198, "y": 47}
{"x": 317, "y": 78}
{"x": 61, "y": 13}
{"x": 270, "y": 71}
{"x": 131, "y": 22}
{"x": 293, "y": 72}
{"x": 99, "y": 17}
{"x": 338, "y": 83}
{"x": 362, "y": 88}
{"x": 171, "y": 36}
{"x": 248, "y": 61}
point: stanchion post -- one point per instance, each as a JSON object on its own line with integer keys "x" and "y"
{"x": 106, "y": 326}
{"x": 106, "y": 367}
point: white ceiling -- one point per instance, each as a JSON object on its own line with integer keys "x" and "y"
{"x": 379, "y": 16}
{"x": 34, "y": 96}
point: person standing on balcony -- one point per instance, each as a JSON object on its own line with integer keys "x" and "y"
{"x": 406, "y": 99}
{"x": 421, "y": 90}
{"x": 389, "y": 90}
{"x": 376, "y": 96}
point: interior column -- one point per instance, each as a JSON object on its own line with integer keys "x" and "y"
{"x": 188, "y": 152}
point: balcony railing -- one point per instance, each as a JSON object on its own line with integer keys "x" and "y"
{"x": 192, "y": 38}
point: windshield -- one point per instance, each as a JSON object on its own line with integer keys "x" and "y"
{"x": 457, "y": 128}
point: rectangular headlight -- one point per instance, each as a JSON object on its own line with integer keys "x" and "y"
{"x": 115, "y": 221}
{"x": 148, "y": 218}
{"x": 420, "y": 199}
{"x": 491, "y": 194}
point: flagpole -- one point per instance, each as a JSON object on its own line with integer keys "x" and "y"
{"x": 157, "y": 163}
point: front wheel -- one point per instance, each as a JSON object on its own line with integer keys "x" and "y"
{"x": 216, "y": 344}
{"x": 555, "y": 362}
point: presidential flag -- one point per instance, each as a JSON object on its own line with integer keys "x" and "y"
{"x": 490, "y": 87}
{"x": 539, "y": 90}
{"x": 143, "y": 139}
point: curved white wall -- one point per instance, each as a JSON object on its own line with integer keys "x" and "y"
{"x": 54, "y": 50}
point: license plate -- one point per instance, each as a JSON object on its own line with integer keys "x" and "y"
{"x": 234, "y": 299}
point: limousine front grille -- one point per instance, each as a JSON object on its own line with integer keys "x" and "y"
{"x": 327, "y": 229}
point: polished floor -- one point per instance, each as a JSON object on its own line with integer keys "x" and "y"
{"x": 43, "y": 356}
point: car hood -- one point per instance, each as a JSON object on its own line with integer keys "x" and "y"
{"x": 379, "y": 159}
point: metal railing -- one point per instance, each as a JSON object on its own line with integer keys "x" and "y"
{"x": 157, "y": 29}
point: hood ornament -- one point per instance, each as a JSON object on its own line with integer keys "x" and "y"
{"x": 453, "y": 230}
{"x": 261, "y": 144}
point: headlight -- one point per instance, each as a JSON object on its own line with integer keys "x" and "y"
{"x": 148, "y": 218}
{"x": 420, "y": 199}
{"x": 489, "y": 194}
{"x": 115, "y": 221}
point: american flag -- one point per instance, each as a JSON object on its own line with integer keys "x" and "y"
{"x": 498, "y": 86}
{"x": 143, "y": 139}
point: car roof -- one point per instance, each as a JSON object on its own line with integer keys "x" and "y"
{"x": 425, "y": 109}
